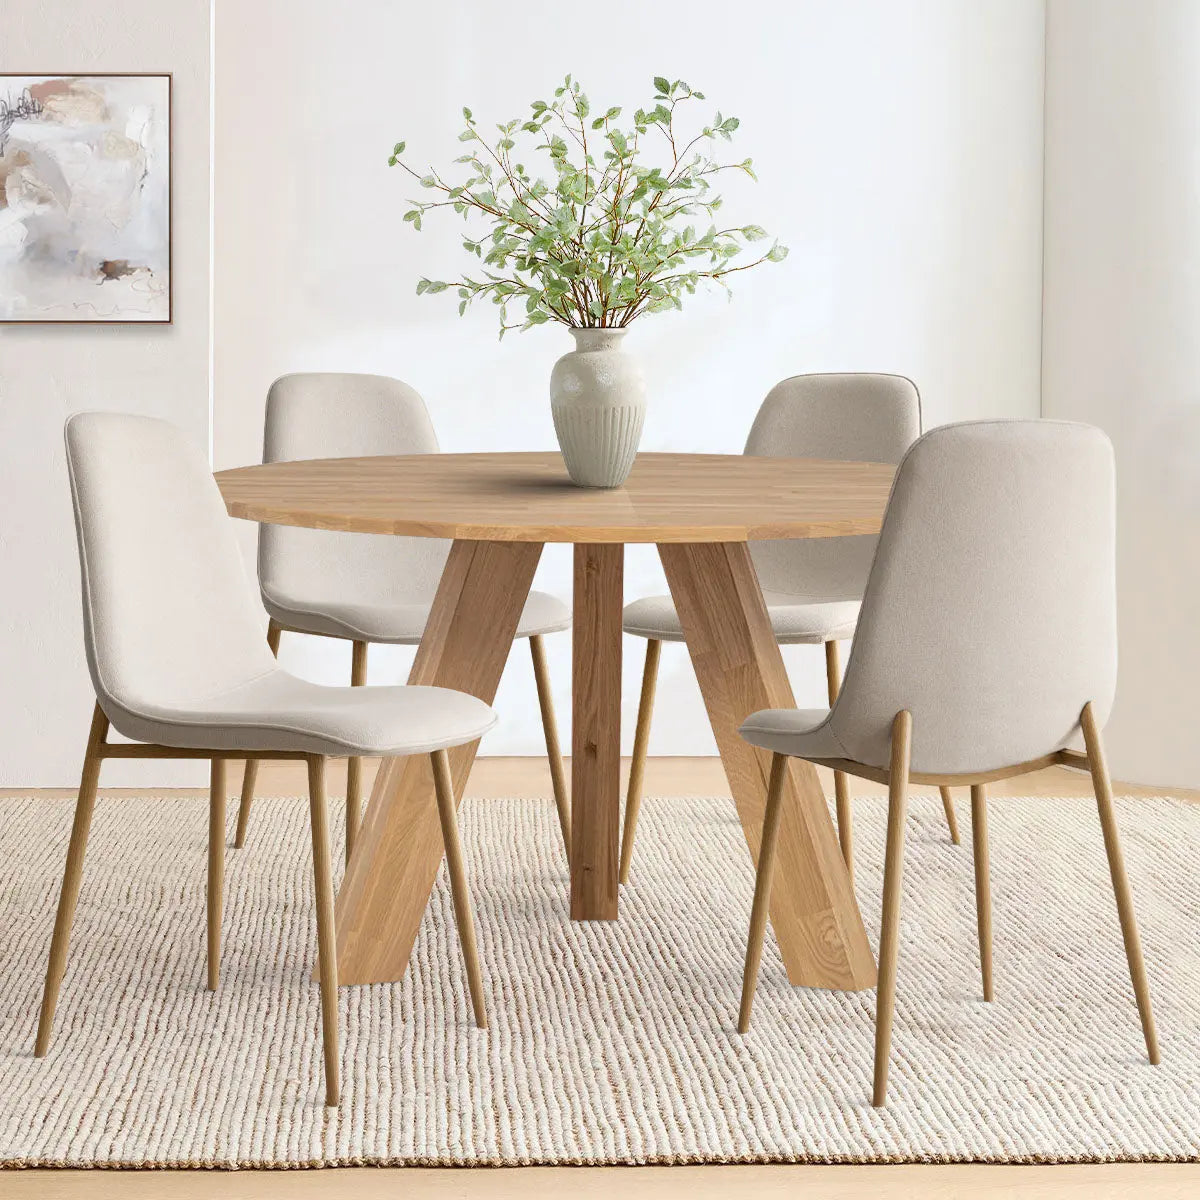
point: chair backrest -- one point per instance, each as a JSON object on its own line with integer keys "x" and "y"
{"x": 346, "y": 416}
{"x": 990, "y": 612}
{"x": 168, "y": 611}
{"x": 847, "y": 417}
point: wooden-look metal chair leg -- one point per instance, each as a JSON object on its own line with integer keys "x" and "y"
{"x": 447, "y": 813}
{"x": 72, "y": 877}
{"x": 841, "y": 784}
{"x": 326, "y": 941}
{"x": 1116, "y": 865}
{"x": 951, "y": 818}
{"x": 558, "y": 775}
{"x": 358, "y": 678}
{"x": 637, "y": 765}
{"x": 216, "y": 868}
{"x": 250, "y": 778}
{"x": 983, "y": 886}
{"x": 762, "y": 888}
{"x": 893, "y": 876}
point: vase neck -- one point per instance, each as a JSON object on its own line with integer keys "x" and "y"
{"x": 597, "y": 339}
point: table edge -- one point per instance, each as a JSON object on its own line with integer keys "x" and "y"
{"x": 560, "y": 533}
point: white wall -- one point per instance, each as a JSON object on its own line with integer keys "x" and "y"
{"x": 1122, "y": 311}
{"x": 899, "y": 147}
{"x": 48, "y": 372}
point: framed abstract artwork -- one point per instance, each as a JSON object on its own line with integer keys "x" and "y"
{"x": 85, "y": 198}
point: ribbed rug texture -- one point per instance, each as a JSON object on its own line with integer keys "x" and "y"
{"x": 609, "y": 1042}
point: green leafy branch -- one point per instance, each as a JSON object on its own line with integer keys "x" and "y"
{"x": 611, "y": 236}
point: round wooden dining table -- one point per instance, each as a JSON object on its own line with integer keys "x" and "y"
{"x": 701, "y": 510}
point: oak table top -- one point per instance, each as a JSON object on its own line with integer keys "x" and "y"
{"x": 527, "y": 497}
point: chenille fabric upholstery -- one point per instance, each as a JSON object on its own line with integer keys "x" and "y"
{"x": 358, "y": 586}
{"x": 812, "y": 586}
{"x": 172, "y": 630}
{"x": 990, "y": 611}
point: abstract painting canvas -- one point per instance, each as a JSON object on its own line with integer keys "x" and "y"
{"x": 85, "y": 198}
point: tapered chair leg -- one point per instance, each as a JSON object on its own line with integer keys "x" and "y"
{"x": 558, "y": 775}
{"x": 326, "y": 940}
{"x": 841, "y": 784}
{"x": 983, "y": 886}
{"x": 951, "y": 818}
{"x": 637, "y": 765}
{"x": 1116, "y": 865}
{"x": 893, "y": 878}
{"x": 358, "y": 678}
{"x": 762, "y": 888}
{"x": 71, "y": 879}
{"x": 250, "y": 778}
{"x": 216, "y": 868}
{"x": 447, "y": 813}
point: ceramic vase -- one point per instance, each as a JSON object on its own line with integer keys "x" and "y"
{"x": 598, "y": 398}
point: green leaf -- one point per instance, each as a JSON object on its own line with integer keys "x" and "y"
{"x": 585, "y": 243}
{"x": 398, "y": 148}
{"x": 777, "y": 253}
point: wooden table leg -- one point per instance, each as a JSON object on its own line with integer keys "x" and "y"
{"x": 596, "y": 731}
{"x": 399, "y": 845}
{"x": 740, "y": 670}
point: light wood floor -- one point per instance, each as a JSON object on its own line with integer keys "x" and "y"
{"x": 1124, "y": 1181}
{"x": 664, "y": 777}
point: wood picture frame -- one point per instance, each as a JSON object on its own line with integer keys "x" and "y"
{"x": 95, "y": 183}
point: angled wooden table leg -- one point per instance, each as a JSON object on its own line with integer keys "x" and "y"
{"x": 596, "y": 731}
{"x": 399, "y": 845}
{"x": 740, "y": 669}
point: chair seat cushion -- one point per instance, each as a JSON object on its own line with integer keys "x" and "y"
{"x": 796, "y": 620}
{"x": 797, "y": 732}
{"x": 278, "y": 711}
{"x": 397, "y": 624}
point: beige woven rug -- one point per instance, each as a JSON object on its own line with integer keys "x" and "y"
{"x": 609, "y": 1043}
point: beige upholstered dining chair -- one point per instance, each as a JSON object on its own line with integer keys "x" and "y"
{"x": 986, "y": 648}
{"x": 158, "y": 555}
{"x": 812, "y": 587}
{"x": 361, "y": 587}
